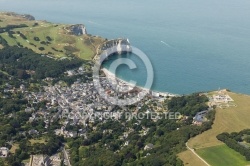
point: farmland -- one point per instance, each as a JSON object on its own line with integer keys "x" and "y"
{"x": 231, "y": 119}
{"x": 225, "y": 121}
{"x": 222, "y": 155}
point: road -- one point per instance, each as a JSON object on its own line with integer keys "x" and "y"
{"x": 193, "y": 151}
{"x": 66, "y": 157}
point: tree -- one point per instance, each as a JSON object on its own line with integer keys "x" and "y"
{"x": 41, "y": 48}
{"x": 247, "y": 139}
{"x": 21, "y": 74}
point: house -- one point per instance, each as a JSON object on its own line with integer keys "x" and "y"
{"x": 58, "y": 131}
{"x": 200, "y": 117}
{"x": 72, "y": 134}
{"x": 32, "y": 132}
{"x": 28, "y": 109}
{"x": 149, "y": 146}
{"x": 22, "y": 88}
{"x": 4, "y": 152}
{"x": 126, "y": 143}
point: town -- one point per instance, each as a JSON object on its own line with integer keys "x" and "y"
{"x": 80, "y": 104}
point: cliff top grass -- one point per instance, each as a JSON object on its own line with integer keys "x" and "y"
{"x": 48, "y": 38}
{"x": 231, "y": 119}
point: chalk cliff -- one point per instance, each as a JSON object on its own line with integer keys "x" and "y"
{"x": 78, "y": 29}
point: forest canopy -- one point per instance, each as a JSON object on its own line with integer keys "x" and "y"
{"x": 23, "y": 63}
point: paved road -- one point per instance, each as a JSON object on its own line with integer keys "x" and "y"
{"x": 193, "y": 151}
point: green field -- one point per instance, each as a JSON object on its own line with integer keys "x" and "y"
{"x": 232, "y": 119}
{"x": 63, "y": 43}
{"x": 222, "y": 156}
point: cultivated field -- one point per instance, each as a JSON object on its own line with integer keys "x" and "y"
{"x": 226, "y": 120}
{"x": 222, "y": 155}
{"x": 232, "y": 119}
{"x": 190, "y": 159}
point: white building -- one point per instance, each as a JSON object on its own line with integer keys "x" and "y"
{"x": 4, "y": 152}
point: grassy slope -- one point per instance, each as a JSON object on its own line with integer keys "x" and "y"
{"x": 190, "y": 159}
{"x": 222, "y": 155}
{"x": 232, "y": 119}
{"x": 226, "y": 120}
{"x": 57, "y": 32}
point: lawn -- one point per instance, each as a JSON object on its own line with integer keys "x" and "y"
{"x": 222, "y": 156}
{"x": 40, "y": 141}
{"x": 14, "y": 148}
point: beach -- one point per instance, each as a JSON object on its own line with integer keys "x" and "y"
{"x": 113, "y": 77}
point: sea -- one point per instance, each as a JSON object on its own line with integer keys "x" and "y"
{"x": 193, "y": 45}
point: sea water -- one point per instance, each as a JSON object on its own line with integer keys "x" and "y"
{"x": 193, "y": 45}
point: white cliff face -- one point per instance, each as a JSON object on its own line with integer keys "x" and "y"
{"x": 129, "y": 48}
{"x": 119, "y": 47}
{"x": 123, "y": 46}
{"x": 115, "y": 46}
{"x": 78, "y": 29}
{"x": 84, "y": 30}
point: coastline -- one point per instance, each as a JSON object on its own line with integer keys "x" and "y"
{"x": 112, "y": 76}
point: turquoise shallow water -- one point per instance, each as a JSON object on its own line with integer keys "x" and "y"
{"x": 193, "y": 45}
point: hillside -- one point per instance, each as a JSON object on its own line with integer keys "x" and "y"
{"x": 57, "y": 40}
{"x": 232, "y": 119}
